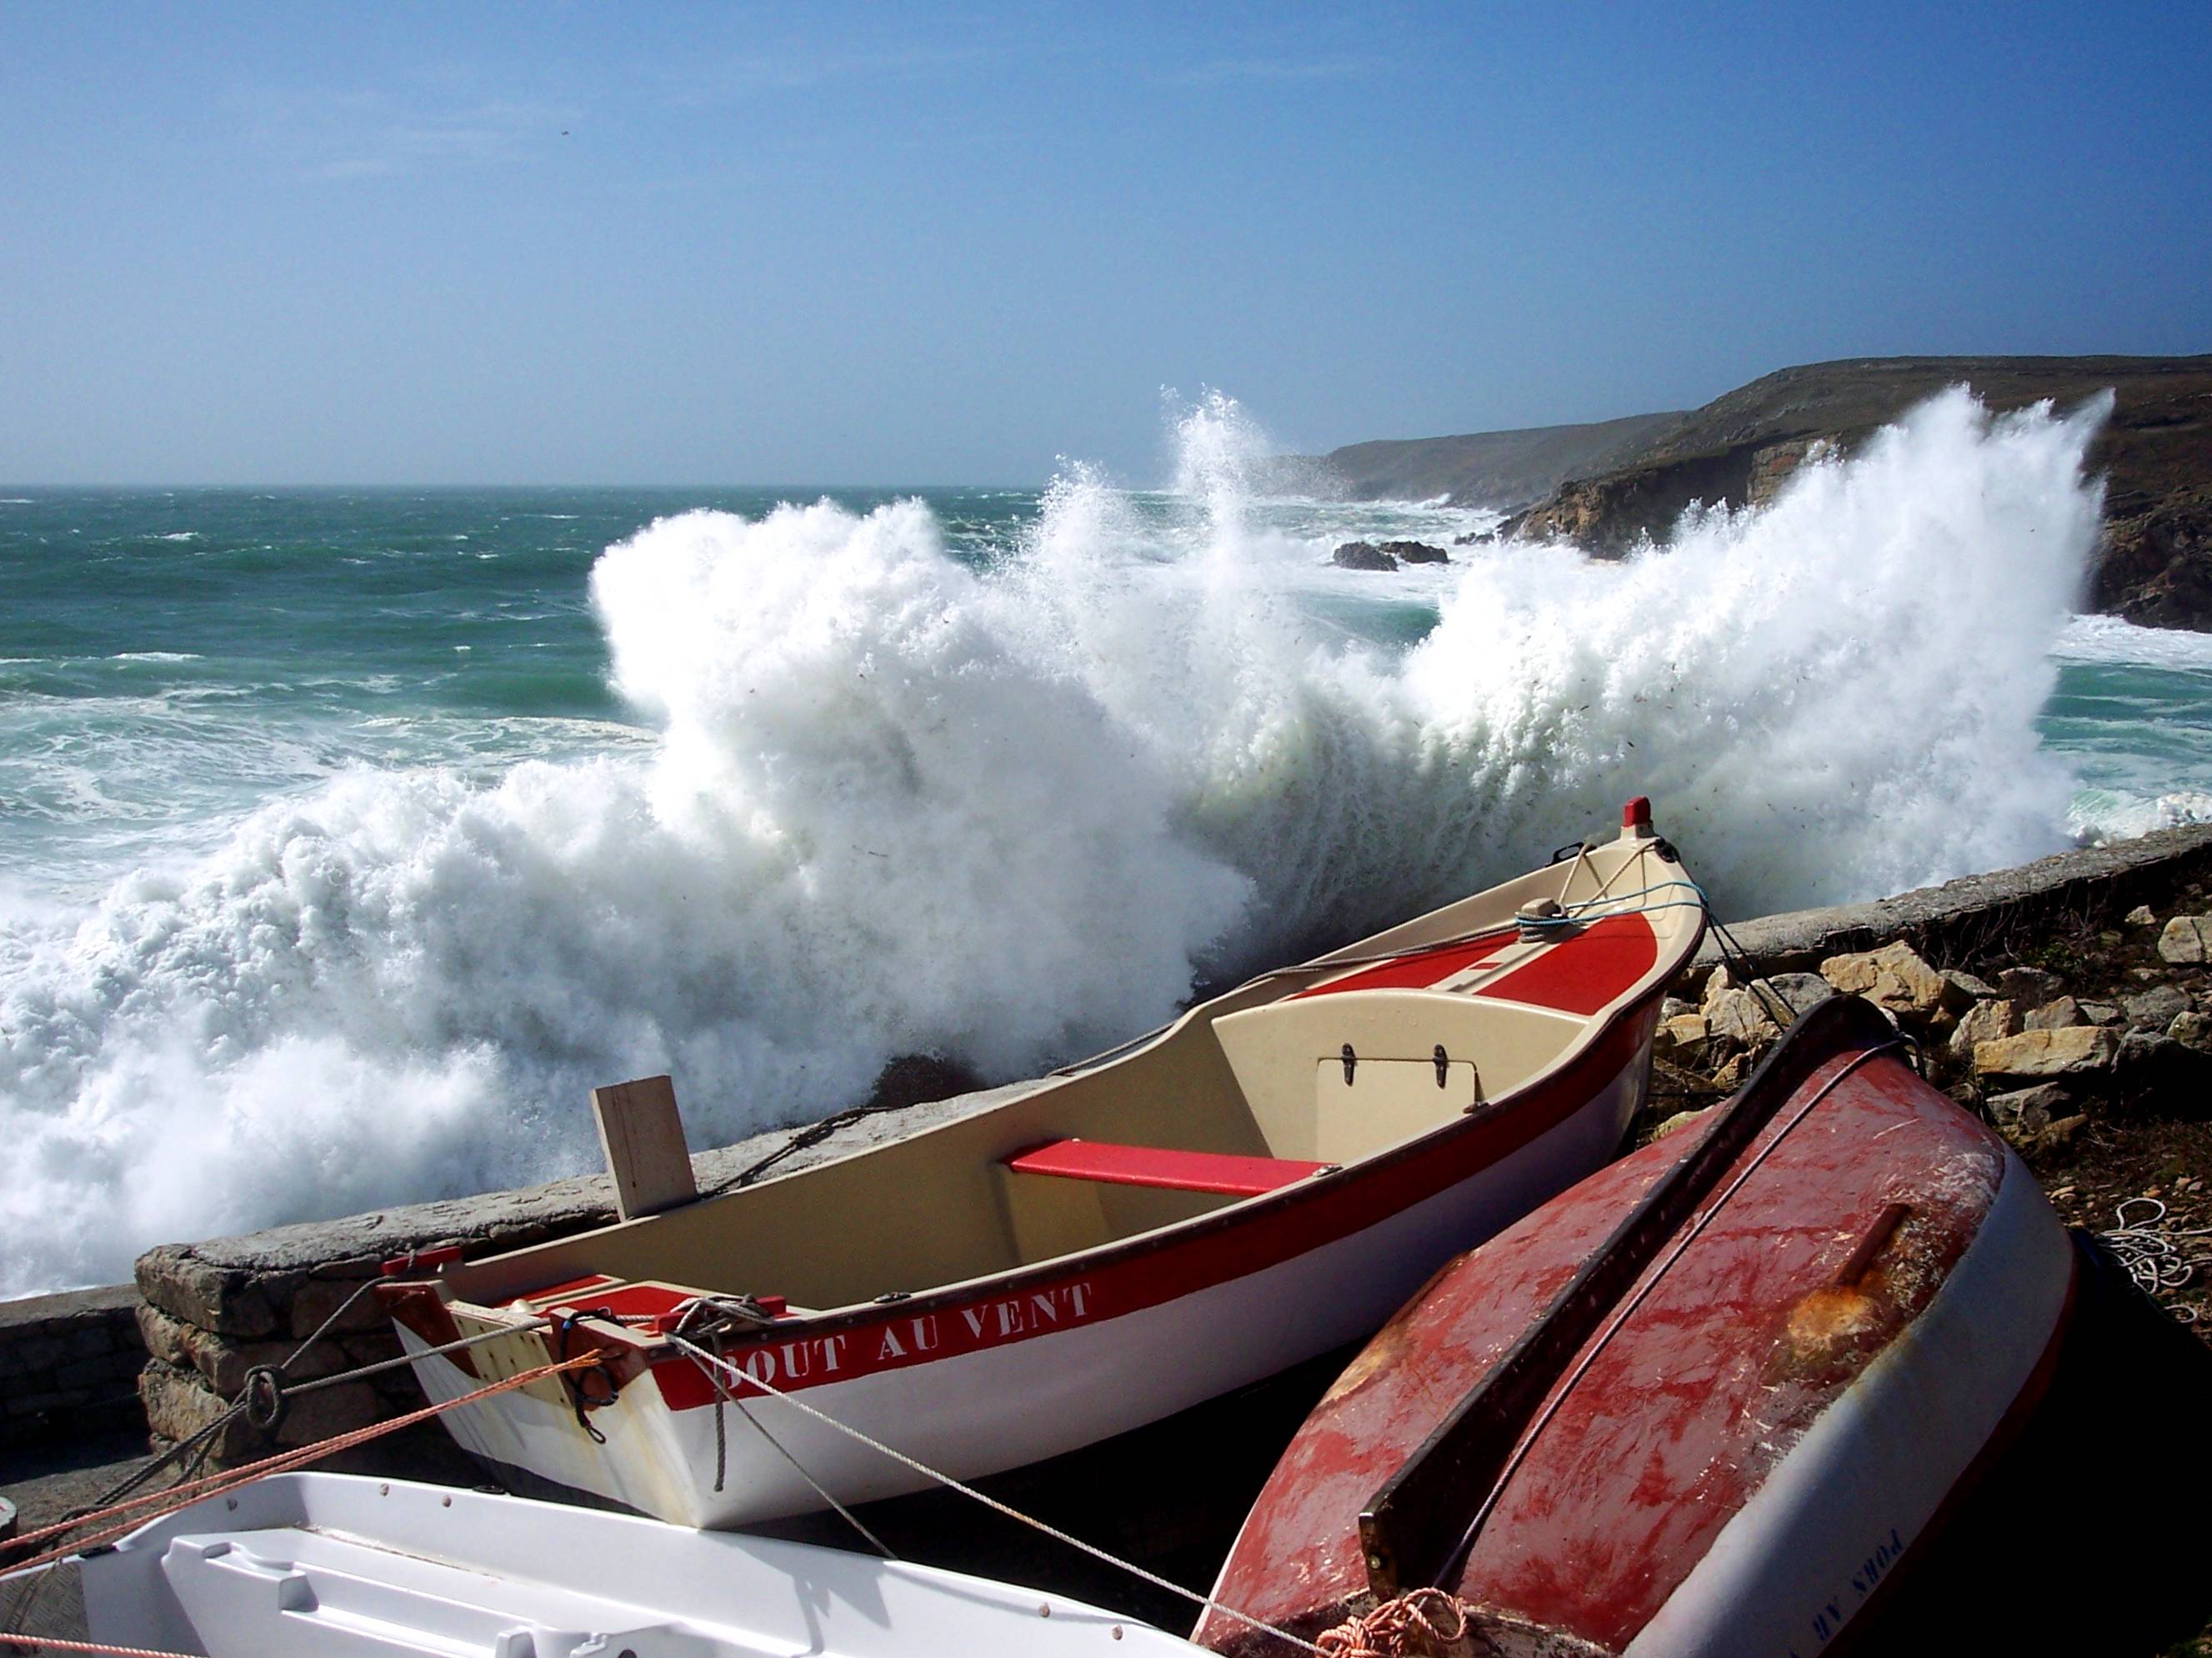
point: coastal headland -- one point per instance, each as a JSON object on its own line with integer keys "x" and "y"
{"x": 1613, "y": 486}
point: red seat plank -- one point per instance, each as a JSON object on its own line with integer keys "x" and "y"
{"x": 1149, "y": 1165}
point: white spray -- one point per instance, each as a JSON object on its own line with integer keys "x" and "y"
{"x": 898, "y": 805}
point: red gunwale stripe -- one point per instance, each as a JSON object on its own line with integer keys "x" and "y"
{"x": 1157, "y": 1166}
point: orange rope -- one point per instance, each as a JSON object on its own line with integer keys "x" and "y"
{"x": 58, "y": 1644}
{"x": 1407, "y": 1627}
{"x": 283, "y": 1462}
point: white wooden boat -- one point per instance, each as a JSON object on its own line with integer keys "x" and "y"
{"x": 1260, "y": 1181}
{"x": 331, "y": 1565}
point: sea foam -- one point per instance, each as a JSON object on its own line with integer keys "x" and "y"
{"x": 898, "y": 803}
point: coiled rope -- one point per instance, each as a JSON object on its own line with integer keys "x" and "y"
{"x": 2158, "y": 1257}
{"x": 1410, "y": 1626}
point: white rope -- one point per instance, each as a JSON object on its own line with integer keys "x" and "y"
{"x": 2157, "y": 1257}
{"x": 739, "y": 1374}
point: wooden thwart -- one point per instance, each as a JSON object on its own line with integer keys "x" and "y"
{"x": 643, "y": 1140}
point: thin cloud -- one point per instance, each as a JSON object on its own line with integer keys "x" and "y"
{"x": 370, "y": 134}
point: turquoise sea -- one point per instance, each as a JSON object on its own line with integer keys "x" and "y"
{"x": 346, "y": 837}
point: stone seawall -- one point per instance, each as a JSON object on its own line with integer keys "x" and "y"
{"x": 2091, "y": 886}
{"x": 69, "y": 1364}
{"x": 212, "y": 1310}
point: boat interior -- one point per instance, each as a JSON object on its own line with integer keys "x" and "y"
{"x": 1302, "y": 1070}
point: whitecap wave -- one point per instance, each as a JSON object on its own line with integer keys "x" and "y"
{"x": 897, "y": 804}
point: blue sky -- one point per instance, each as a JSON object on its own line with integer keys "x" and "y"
{"x": 905, "y": 244}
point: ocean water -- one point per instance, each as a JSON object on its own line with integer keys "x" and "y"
{"x": 347, "y": 838}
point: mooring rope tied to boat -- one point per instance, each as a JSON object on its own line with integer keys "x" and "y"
{"x": 2156, "y": 1256}
{"x": 737, "y": 1372}
{"x": 214, "y": 1485}
{"x": 63, "y": 1644}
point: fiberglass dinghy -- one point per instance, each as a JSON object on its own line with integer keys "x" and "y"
{"x": 1256, "y": 1184}
{"x": 1710, "y": 1402}
{"x": 334, "y": 1563}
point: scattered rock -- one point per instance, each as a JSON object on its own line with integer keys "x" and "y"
{"x": 1681, "y": 1119}
{"x": 1894, "y": 979}
{"x": 2156, "y": 1008}
{"x": 2060, "y": 1015}
{"x": 2060, "y": 1133}
{"x": 1416, "y": 552}
{"x": 1985, "y": 1021}
{"x": 2028, "y": 1110}
{"x": 1967, "y": 985}
{"x": 2063, "y": 1052}
{"x": 1673, "y": 1007}
{"x": 2191, "y": 1030}
{"x": 2186, "y": 940}
{"x": 2140, "y": 915}
{"x": 2100, "y": 1012}
{"x": 1362, "y": 556}
{"x": 1740, "y": 1016}
{"x": 1799, "y": 991}
{"x": 1731, "y": 1075}
{"x": 1684, "y": 1038}
{"x": 2030, "y": 987}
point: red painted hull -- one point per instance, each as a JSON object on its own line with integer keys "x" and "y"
{"x": 1751, "y": 1437}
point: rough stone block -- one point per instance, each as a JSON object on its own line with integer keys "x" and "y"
{"x": 1893, "y": 978}
{"x": 84, "y": 1375}
{"x": 2047, "y": 1053}
{"x": 1985, "y": 1021}
{"x": 1685, "y": 1037}
{"x": 2191, "y": 1030}
{"x": 2156, "y": 1007}
{"x": 2186, "y": 940}
{"x": 1741, "y": 1017}
{"x": 222, "y": 1362}
{"x": 2029, "y": 1110}
{"x": 2030, "y": 986}
{"x": 2058, "y": 1014}
{"x": 318, "y": 1298}
{"x": 1966, "y": 985}
{"x": 1799, "y": 991}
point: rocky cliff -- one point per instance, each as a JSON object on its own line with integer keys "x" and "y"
{"x": 2153, "y": 566}
{"x": 1504, "y": 470}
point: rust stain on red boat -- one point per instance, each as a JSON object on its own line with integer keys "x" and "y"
{"x": 1736, "y": 1349}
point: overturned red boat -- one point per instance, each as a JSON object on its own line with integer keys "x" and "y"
{"x": 1710, "y": 1401}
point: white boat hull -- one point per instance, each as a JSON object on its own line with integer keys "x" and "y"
{"x": 1041, "y": 1396}
{"x": 344, "y": 1567}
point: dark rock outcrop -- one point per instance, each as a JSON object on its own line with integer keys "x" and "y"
{"x": 2154, "y": 564}
{"x": 1416, "y": 552}
{"x": 1362, "y": 556}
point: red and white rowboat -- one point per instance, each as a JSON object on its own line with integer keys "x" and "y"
{"x": 1710, "y": 1402}
{"x": 1260, "y": 1181}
